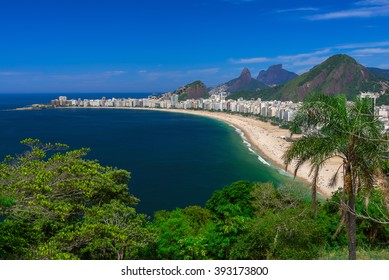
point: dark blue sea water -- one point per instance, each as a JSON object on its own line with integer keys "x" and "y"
{"x": 175, "y": 160}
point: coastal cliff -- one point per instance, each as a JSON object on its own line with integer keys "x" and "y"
{"x": 194, "y": 90}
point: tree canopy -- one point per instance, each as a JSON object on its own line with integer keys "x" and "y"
{"x": 69, "y": 204}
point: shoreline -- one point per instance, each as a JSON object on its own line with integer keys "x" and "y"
{"x": 265, "y": 139}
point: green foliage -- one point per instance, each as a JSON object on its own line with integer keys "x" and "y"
{"x": 283, "y": 227}
{"x": 57, "y": 205}
{"x": 72, "y": 207}
{"x": 291, "y": 234}
{"x": 181, "y": 233}
{"x": 110, "y": 231}
{"x": 363, "y": 254}
{"x": 266, "y": 198}
{"x": 372, "y": 218}
{"x": 183, "y": 97}
{"x": 351, "y": 132}
{"x": 232, "y": 201}
{"x": 224, "y": 235}
{"x": 16, "y": 237}
{"x": 383, "y": 100}
{"x": 285, "y": 126}
{"x": 60, "y": 187}
{"x": 385, "y": 167}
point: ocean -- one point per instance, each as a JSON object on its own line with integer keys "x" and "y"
{"x": 175, "y": 160}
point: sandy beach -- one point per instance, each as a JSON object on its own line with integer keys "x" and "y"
{"x": 268, "y": 141}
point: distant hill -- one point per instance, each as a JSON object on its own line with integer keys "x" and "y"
{"x": 275, "y": 75}
{"x": 244, "y": 82}
{"x": 382, "y": 73}
{"x": 195, "y": 90}
{"x": 339, "y": 74}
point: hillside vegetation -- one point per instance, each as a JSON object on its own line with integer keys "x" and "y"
{"x": 57, "y": 205}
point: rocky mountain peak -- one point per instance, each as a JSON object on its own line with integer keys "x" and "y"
{"x": 245, "y": 72}
{"x": 275, "y": 67}
{"x": 275, "y": 75}
{"x": 243, "y": 82}
{"x": 194, "y": 90}
{"x": 245, "y": 76}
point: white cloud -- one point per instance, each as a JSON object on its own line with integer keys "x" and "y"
{"x": 363, "y": 45}
{"x": 114, "y": 73}
{"x": 88, "y": 76}
{"x": 366, "y": 9}
{"x": 298, "y": 59}
{"x": 249, "y": 60}
{"x": 383, "y": 66}
{"x": 360, "y": 13}
{"x": 203, "y": 71}
{"x": 372, "y": 2}
{"x": 311, "y": 61}
{"x": 172, "y": 75}
{"x": 302, "y": 55}
{"x": 12, "y": 73}
{"x": 302, "y": 9}
{"x": 238, "y": 1}
{"x": 371, "y": 51}
{"x": 297, "y": 62}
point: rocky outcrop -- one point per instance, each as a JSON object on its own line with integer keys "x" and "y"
{"x": 243, "y": 83}
{"x": 275, "y": 75}
{"x": 195, "y": 90}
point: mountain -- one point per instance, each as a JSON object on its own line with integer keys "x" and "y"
{"x": 194, "y": 90}
{"x": 243, "y": 83}
{"x": 382, "y": 73}
{"x": 275, "y": 75}
{"x": 339, "y": 74}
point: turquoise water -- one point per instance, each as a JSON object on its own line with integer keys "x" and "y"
{"x": 175, "y": 160}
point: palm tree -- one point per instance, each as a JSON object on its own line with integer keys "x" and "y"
{"x": 347, "y": 130}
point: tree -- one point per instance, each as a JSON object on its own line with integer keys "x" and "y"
{"x": 58, "y": 187}
{"x": 181, "y": 233}
{"x": 58, "y": 205}
{"x": 110, "y": 231}
{"x": 231, "y": 201}
{"x": 350, "y": 131}
{"x": 231, "y": 209}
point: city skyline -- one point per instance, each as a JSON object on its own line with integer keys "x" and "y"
{"x": 157, "y": 46}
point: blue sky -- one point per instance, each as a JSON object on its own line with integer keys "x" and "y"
{"x": 156, "y": 46}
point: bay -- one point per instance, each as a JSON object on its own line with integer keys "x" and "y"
{"x": 175, "y": 160}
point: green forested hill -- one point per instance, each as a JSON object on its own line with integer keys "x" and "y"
{"x": 339, "y": 74}
{"x": 194, "y": 90}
